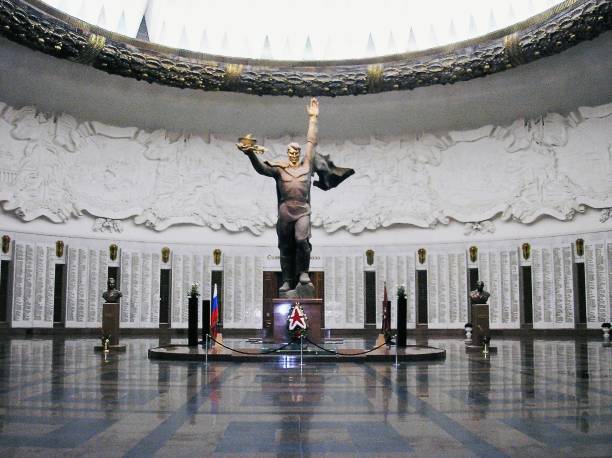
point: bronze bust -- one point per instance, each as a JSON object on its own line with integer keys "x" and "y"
{"x": 111, "y": 295}
{"x": 479, "y": 295}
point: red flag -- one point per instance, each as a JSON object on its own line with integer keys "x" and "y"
{"x": 385, "y": 293}
{"x": 214, "y": 314}
{"x": 386, "y": 323}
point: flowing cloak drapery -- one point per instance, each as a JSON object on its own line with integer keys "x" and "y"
{"x": 328, "y": 173}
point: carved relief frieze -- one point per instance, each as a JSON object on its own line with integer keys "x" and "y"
{"x": 107, "y": 225}
{"x": 480, "y": 227}
{"x": 56, "y": 167}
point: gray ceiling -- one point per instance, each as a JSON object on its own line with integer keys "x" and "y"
{"x": 579, "y": 76}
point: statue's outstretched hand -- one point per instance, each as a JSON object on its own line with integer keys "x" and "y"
{"x": 313, "y": 107}
{"x": 244, "y": 148}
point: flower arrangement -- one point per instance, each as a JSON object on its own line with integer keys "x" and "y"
{"x": 297, "y": 333}
{"x": 388, "y": 334}
{"x": 194, "y": 291}
{"x": 105, "y": 341}
{"x": 468, "y": 331}
{"x": 401, "y": 291}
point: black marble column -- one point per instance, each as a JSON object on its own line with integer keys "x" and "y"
{"x": 205, "y": 318}
{"x": 402, "y": 305}
{"x": 192, "y": 321}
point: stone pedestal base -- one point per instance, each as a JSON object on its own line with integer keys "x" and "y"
{"x": 469, "y": 348}
{"x": 110, "y": 322}
{"x": 480, "y": 323}
{"x": 301, "y": 291}
{"x": 313, "y": 310}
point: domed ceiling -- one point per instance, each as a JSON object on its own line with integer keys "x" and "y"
{"x": 291, "y": 48}
{"x": 298, "y": 30}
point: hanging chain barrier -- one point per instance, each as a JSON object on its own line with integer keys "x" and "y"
{"x": 335, "y": 352}
{"x": 265, "y": 352}
{"x": 282, "y": 347}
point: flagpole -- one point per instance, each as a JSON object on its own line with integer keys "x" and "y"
{"x": 206, "y": 357}
{"x": 301, "y": 343}
{"x": 396, "y": 363}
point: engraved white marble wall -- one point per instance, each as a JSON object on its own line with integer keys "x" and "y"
{"x": 34, "y": 284}
{"x": 553, "y": 284}
{"x": 243, "y": 286}
{"x": 447, "y": 295}
{"x": 552, "y": 264}
{"x": 498, "y": 267}
{"x": 344, "y": 289}
{"x": 139, "y": 279}
{"x": 88, "y": 183}
{"x": 598, "y": 278}
{"x": 395, "y": 267}
{"x": 87, "y": 273}
{"x": 189, "y": 265}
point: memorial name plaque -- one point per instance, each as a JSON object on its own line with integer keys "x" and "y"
{"x": 179, "y": 296}
{"x": 126, "y": 290}
{"x": 145, "y": 302}
{"x": 93, "y": 292}
{"x": 155, "y": 290}
{"x": 228, "y": 286}
{"x": 30, "y": 295}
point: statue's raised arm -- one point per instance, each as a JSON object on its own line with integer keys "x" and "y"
{"x": 312, "y": 138}
{"x": 293, "y": 182}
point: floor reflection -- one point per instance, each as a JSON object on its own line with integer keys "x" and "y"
{"x": 535, "y": 396}
{"x": 479, "y": 385}
{"x": 527, "y": 369}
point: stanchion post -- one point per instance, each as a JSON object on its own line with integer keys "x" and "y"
{"x": 396, "y": 363}
{"x": 301, "y": 344}
{"x": 206, "y": 346}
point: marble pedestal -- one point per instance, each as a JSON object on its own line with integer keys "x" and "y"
{"x": 480, "y": 323}
{"x": 110, "y": 326}
{"x": 313, "y": 308}
{"x": 480, "y": 328}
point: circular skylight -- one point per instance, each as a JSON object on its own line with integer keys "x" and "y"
{"x": 302, "y": 30}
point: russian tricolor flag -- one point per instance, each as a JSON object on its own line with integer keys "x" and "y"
{"x": 214, "y": 313}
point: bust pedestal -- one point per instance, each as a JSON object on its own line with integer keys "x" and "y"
{"x": 110, "y": 326}
{"x": 312, "y": 309}
{"x": 480, "y": 324}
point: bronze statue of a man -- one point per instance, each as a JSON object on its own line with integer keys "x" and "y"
{"x": 112, "y": 295}
{"x": 293, "y": 179}
{"x": 479, "y": 295}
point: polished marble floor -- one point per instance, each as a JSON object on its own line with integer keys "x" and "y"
{"x": 535, "y": 397}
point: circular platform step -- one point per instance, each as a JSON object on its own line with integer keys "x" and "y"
{"x": 383, "y": 354}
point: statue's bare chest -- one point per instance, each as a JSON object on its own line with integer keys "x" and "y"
{"x": 294, "y": 183}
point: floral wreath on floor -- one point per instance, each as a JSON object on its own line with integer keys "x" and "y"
{"x": 297, "y": 322}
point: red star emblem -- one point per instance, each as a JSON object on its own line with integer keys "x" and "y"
{"x": 297, "y": 318}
